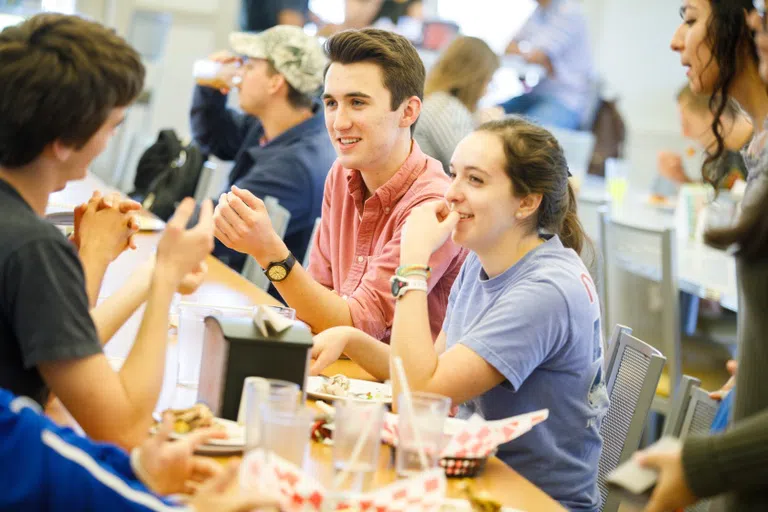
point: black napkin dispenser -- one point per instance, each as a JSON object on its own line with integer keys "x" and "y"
{"x": 234, "y": 348}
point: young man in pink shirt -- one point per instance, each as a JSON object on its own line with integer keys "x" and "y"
{"x": 373, "y": 94}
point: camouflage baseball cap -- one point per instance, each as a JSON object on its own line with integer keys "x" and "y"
{"x": 294, "y": 54}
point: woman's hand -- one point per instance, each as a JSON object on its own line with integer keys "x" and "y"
{"x": 427, "y": 228}
{"x": 672, "y": 491}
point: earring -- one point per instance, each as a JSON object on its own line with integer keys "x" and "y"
{"x": 519, "y": 215}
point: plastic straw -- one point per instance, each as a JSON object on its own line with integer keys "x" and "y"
{"x": 366, "y": 432}
{"x": 406, "y": 390}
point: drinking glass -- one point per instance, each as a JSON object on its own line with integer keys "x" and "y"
{"x": 421, "y": 429}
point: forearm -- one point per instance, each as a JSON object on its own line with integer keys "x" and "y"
{"x": 541, "y": 58}
{"x": 734, "y": 461}
{"x": 94, "y": 266}
{"x": 371, "y": 354}
{"x": 143, "y": 371}
{"x": 315, "y": 304}
{"x": 214, "y": 127}
{"x": 111, "y": 314}
{"x": 290, "y": 17}
{"x": 411, "y": 335}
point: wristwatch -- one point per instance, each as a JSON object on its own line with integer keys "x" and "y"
{"x": 276, "y": 271}
{"x": 401, "y": 285}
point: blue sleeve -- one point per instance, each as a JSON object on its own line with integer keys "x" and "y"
{"x": 49, "y": 468}
{"x": 286, "y": 180}
{"x": 524, "y": 329}
{"x": 218, "y": 130}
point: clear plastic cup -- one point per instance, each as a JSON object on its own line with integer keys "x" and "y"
{"x": 260, "y": 395}
{"x": 423, "y": 429}
{"x": 218, "y": 75}
{"x": 355, "y": 419}
{"x": 286, "y": 433}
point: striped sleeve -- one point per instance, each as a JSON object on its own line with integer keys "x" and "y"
{"x": 556, "y": 35}
{"x": 734, "y": 461}
{"x": 444, "y": 121}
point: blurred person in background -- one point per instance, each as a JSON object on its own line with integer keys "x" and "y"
{"x": 260, "y": 15}
{"x": 556, "y": 38}
{"x": 696, "y": 125}
{"x": 453, "y": 88}
{"x": 278, "y": 143}
{"x": 369, "y": 13}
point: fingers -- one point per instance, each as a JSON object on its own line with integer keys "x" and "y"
{"x": 182, "y": 214}
{"x": 223, "y": 480}
{"x": 732, "y": 366}
{"x": 205, "y": 219}
{"x": 205, "y": 468}
{"x": 648, "y": 459}
{"x": 240, "y": 208}
{"x": 199, "y": 437}
{"x": 253, "y": 202}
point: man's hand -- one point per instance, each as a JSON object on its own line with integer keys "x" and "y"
{"x": 216, "y": 495}
{"x": 105, "y": 225}
{"x": 671, "y": 167}
{"x": 172, "y": 467}
{"x": 672, "y": 491}
{"x": 328, "y": 346}
{"x": 243, "y": 224}
{"x": 181, "y": 251}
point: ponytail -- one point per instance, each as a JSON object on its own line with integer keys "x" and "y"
{"x": 571, "y": 231}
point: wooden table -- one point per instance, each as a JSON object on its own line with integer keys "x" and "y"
{"x": 224, "y": 287}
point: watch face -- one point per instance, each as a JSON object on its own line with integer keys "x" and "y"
{"x": 277, "y": 273}
{"x": 397, "y": 284}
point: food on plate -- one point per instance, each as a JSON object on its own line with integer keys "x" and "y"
{"x": 195, "y": 417}
{"x": 320, "y": 432}
{"x": 658, "y": 199}
{"x": 480, "y": 501}
{"x": 338, "y": 385}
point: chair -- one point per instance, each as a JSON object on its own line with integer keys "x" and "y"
{"x": 577, "y": 146}
{"x": 305, "y": 263}
{"x": 632, "y": 372}
{"x": 692, "y": 412}
{"x": 280, "y": 218}
{"x": 633, "y": 256}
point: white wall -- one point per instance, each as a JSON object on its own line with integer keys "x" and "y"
{"x": 631, "y": 42}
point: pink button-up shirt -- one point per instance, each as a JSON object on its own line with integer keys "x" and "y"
{"x": 357, "y": 247}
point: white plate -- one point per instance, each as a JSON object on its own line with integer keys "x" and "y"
{"x": 454, "y": 505}
{"x": 235, "y": 441}
{"x": 357, "y": 390}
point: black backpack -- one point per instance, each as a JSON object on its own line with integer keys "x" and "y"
{"x": 167, "y": 172}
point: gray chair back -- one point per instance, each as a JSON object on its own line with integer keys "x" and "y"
{"x": 692, "y": 412}
{"x": 679, "y": 407}
{"x": 637, "y": 261}
{"x": 312, "y": 237}
{"x": 632, "y": 374}
{"x": 280, "y": 218}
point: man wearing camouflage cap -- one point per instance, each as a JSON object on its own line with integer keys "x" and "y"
{"x": 279, "y": 144}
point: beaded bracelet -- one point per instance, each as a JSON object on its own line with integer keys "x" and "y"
{"x": 414, "y": 270}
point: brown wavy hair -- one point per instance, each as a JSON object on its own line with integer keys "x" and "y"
{"x": 536, "y": 165}
{"x": 463, "y": 71}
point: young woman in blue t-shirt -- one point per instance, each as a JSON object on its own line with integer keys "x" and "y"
{"x": 522, "y": 329}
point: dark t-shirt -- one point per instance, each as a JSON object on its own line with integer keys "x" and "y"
{"x": 44, "y": 314}
{"x": 258, "y": 15}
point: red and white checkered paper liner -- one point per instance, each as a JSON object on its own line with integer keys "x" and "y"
{"x": 296, "y": 491}
{"x": 477, "y": 438}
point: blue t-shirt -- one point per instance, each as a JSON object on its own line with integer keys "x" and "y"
{"x": 538, "y": 324}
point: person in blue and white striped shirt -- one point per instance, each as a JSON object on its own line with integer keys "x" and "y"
{"x": 556, "y": 37}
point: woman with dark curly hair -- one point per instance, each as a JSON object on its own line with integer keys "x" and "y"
{"x": 725, "y": 46}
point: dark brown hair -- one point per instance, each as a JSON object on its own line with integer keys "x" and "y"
{"x": 463, "y": 71}
{"x": 730, "y": 40}
{"x": 401, "y": 67}
{"x": 60, "y": 77}
{"x": 295, "y": 98}
{"x": 700, "y": 102}
{"x": 536, "y": 165}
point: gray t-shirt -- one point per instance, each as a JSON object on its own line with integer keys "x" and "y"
{"x": 44, "y": 314}
{"x": 538, "y": 324}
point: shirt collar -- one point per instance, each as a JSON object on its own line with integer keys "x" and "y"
{"x": 391, "y": 191}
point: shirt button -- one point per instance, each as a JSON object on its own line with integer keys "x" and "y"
{"x": 344, "y": 297}
{"x": 386, "y": 210}
{"x": 360, "y": 259}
